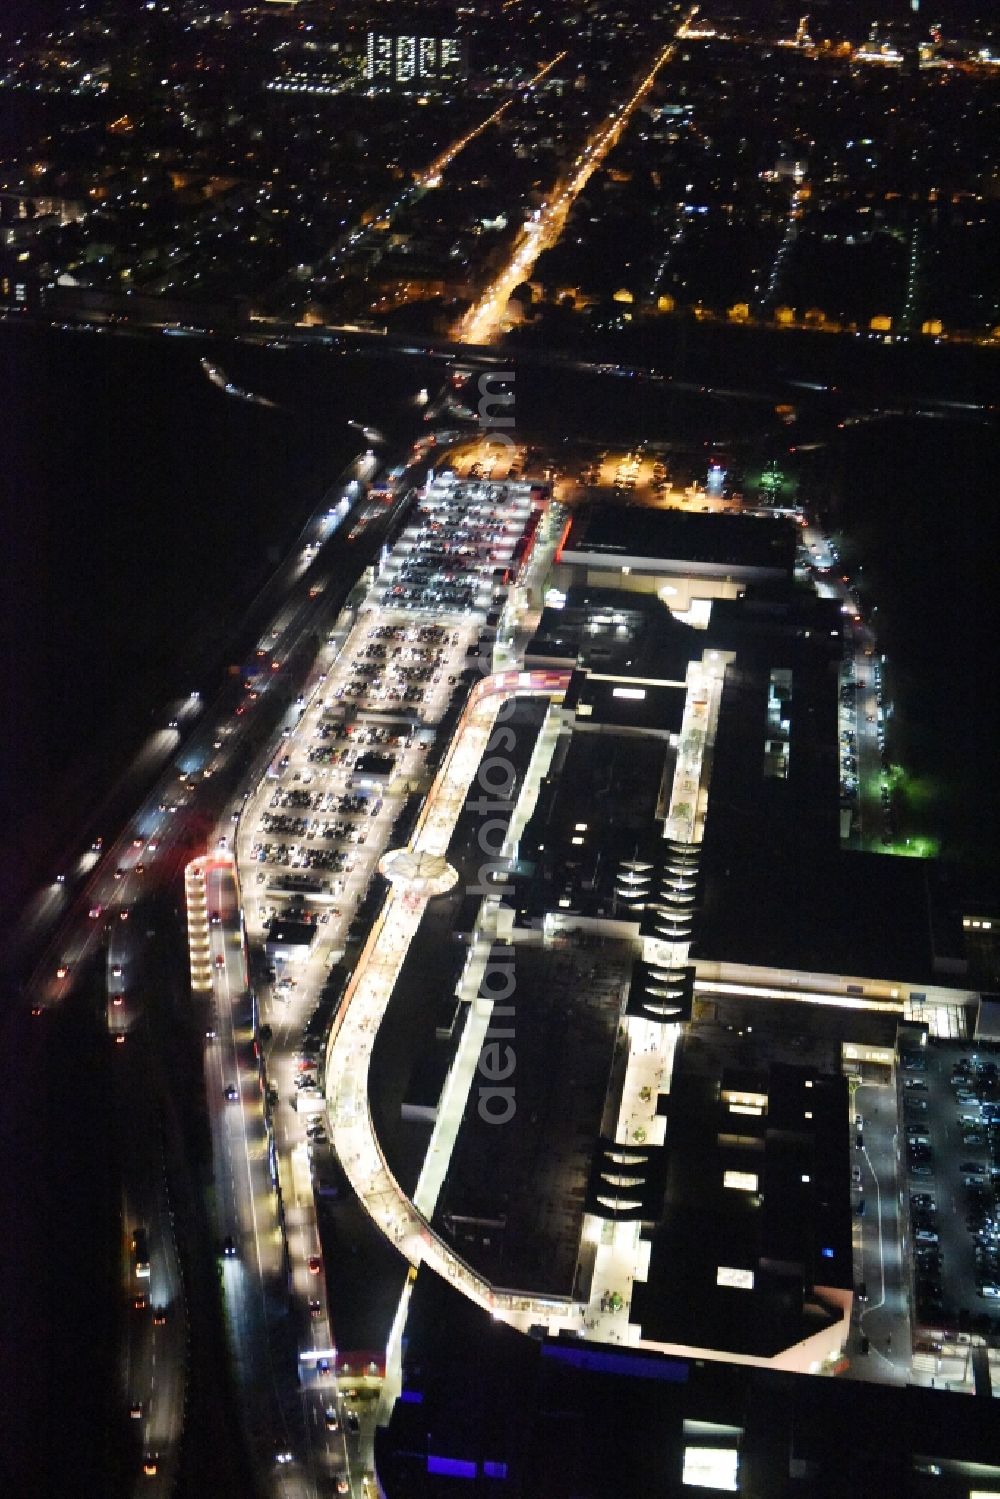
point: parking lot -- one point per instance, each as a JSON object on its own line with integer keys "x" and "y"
{"x": 464, "y": 540}
{"x": 334, "y": 789}
{"x": 336, "y": 786}
{"x": 864, "y": 756}
{"x": 492, "y": 459}
{"x": 949, "y": 1106}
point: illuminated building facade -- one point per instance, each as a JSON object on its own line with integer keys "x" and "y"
{"x": 404, "y": 60}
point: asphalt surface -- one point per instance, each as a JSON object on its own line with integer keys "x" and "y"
{"x": 92, "y": 912}
{"x": 863, "y": 721}
{"x": 941, "y": 1121}
{"x": 882, "y": 1309}
{"x": 155, "y": 1338}
{"x": 287, "y": 1003}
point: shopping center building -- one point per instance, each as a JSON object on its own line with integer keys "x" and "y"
{"x": 643, "y": 1137}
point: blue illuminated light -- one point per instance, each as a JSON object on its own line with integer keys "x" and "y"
{"x": 452, "y": 1467}
{"x": 637, "y": 1365}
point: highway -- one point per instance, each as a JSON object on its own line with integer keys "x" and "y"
{"x": 68, "y": 919}
{"x": 155, "y": 1330}
{"x": 187, "y": 775}
{"x": 155, "y": 1338}
{"x": 173, "y": 760}
{"x": 244, "y": 1205}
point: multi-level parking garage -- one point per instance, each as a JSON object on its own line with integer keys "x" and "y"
{"x": 460, "y": 548}
{"x": 338, "y": 782}
{"x": 323, "y": 812}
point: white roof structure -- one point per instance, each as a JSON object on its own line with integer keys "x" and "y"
{"x": 421, "y": 873}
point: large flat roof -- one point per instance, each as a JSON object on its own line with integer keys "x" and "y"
{"x": 290, "y": 933}
{"x": 778, "y": 889}
{"x": 788, "y": 1229}
{"x": 367, "y": 1277}
{"x": 513, "y": 1198}
{"x": 562, "y": 1416}
{"x": 738, "y": 541}
{"x": 614, "y": 630}
{"x": 618, "y": 703}
{"x": 597, "y": 807}
{"x": 408, "y": 1050}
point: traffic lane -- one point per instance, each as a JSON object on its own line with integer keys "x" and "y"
{"x": 247, "y": 1140}
{"x": 157, "y": 1365}
{"x": 163, "y": 1426}
{"x": 167, "y": 1384}
{"x": 221, "y": 899}
{"x": 229, "y": 991}
{"x": 305, "y": 1253}
{"x": 138, "y": 1337}
{"x": 247, "y": 1271}
{"x": 303, "y": 1243}
{"x": 242, "y": 1278}
{"x": 166, "y": 742}
{"x": 248, "y": 1340}
{"x": 156, "y": 1374}
{"x": 884, "y": 1317}
{"x": 75, "y": 891}
{"x": 360, "y": 1403}
{"x": 220, "y": 1076}
{"x": 110, "y": 889}
{"x": 328, "y": 1445}
{"x": 867, "y": 748}
{"x": 111, "y": 876}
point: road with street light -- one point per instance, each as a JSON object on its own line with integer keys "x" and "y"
{"x": 94, "y": 919}
{"x": 361, "y": 235}
{"x": 485, "y": 318}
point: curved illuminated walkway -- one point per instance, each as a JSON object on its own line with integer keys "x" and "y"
{"x": 350, "y": 1049}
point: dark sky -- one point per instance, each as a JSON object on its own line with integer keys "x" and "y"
{"x": 15, "y": 13}
{"x": 38, "y": 14}
{"x": 853, "y": 15}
